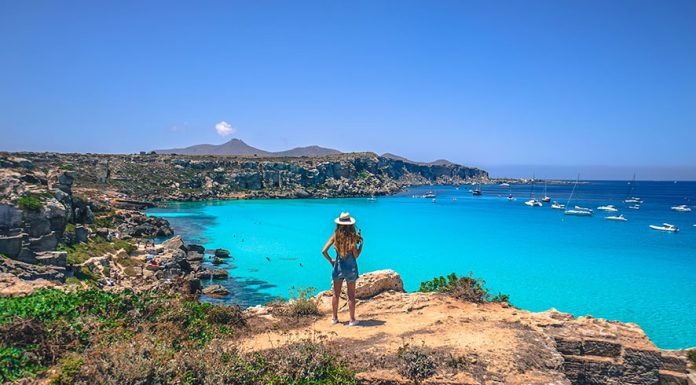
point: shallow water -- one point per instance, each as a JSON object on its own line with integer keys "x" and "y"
{"x": 542, "y": 258}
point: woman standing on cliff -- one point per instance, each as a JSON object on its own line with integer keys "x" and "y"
{"x": 348, "y": 244}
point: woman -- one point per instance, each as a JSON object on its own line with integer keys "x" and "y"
{"x": 348, "y": 245}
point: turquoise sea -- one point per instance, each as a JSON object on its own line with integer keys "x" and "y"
{"x": 542, "y": 258}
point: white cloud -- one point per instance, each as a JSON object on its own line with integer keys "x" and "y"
{"x": 223, "y": 128}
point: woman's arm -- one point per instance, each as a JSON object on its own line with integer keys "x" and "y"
{"x": 358, "y": 247}
{"x": 325, "y": 250}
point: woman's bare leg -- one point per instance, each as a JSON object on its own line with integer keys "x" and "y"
{"x": 336, "y": 295}
{"x": 351, "y": 299}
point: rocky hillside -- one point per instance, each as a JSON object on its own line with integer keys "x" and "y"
{"x": 239, "y": 147}
{"x": 180, "y": 177}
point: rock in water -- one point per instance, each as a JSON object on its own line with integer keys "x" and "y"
{"x": 222, "y": 253}
{"x": 216, "y": 291}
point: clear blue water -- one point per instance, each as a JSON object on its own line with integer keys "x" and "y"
{"x": 582, "y": 265}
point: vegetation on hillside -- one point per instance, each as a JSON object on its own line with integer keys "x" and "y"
{"x": 90, "y": 336}
{"x": 30, "y": 202}
{"x": 96, "y": 247}
{"x": 692, "y": 358}
{"x": 466, "y": 288}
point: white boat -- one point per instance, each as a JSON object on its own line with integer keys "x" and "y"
{"x": 433, "y": 200}
{"x": 557, "y": 206}
{"x": 634, "y": 207}
{"x": 546, "y": 198}
{"x": 608, "y": 208}
{"x": 619, "y": 217}
{"x": 665, "y": 227}
{"x": 577, "y": 211}
{"x": 372, "y": 198}
{"x": 629, "y": 197}
{"x": 682, "y": 208}
{"x": 533, "y": 203}
{"x": 583, "y": 209}
{"x": 580, "y": 213}
{"x": 429, "y": 194}
{"x": 505, "y": 185}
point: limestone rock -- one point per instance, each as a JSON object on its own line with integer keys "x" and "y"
{"x": 174, "y": 243}
{"x": 216, "y": 291}
{"x": 222, "y": 253}
{"x": 376, "y": 282}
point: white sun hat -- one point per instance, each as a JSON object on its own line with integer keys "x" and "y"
{"x": 345, "y": 219}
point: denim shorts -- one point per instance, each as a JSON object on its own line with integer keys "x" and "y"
{"x": 345, "y": 269}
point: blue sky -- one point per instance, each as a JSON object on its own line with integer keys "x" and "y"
{"x": 551, "y": 87}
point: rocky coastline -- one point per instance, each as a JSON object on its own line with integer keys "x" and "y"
{"x": 75, "y": 221}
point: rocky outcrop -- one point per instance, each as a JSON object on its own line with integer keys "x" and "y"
{"x": 135, "y": 224}
{"x": 472, "y": 343}
{"x": 178, "y": 177}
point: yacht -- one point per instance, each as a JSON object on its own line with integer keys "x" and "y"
{"x": 682, "y": 208}
{"x": 633, "y": 200}
{"x": 608, "y": 208}
{"x": 557, "y": 206}
{"x": 619, "y": 217}
{"x": 546, "y": 198}
{"x": 577, "y": 211}
{"x": 429, "y": 194}
{"x": 505, "y": 185}
{"x": 533, "y": 203}
{"x": 634, "y": 207}
{"x": 630, "y": 198}
{"x": 665, "y": 227}
{"x": 476, "y": 191}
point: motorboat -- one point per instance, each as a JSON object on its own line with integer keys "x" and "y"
{"x": 634, "y": 207}
{"x": 557, "y": 206}
{"x": 608, "y": 208}
{"x": 633, "y": 200}
{"x": 682, "y": 208}
{"x": 533, "y": 203}
{"x": 372, "y": 198}
{"x": 665, "y": 227}
{"x": 429, "y": 194}
{"x": 619, "y": 217}
{"x": 505, "y": 185}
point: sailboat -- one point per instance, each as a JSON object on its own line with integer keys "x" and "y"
{"x": 577, "y": 211}
{"x": 476, "y": 191}
{"x": 533, "y": 202}
{"x": 619, "y": 217}
{"x": 629, "y": 197}
{"x": 546, "y": 198}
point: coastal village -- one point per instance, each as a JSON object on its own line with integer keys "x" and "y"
{"x": 75, "y": 222}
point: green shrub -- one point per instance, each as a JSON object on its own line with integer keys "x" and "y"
{"x": 415, "y": 363}
{"x": 30, "y": 202}
{"x": 692, "y": 357}
{"x": 67, "y": 167}
{"x": 301, "y": 303}
{"x": 15, "y": 364}
{"x": 96, "y": 247}
{"x": 68, "y": 369}
{"x": 465, "y": 288}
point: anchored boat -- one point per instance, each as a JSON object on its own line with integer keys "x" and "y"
{"x": 665, "y": 227}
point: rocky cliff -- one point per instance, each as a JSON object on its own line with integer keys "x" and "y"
{"x": 178, "y": 177}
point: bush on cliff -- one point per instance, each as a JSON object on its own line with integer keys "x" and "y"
{"x": 692, "y": 358}
{"x": 301, "y": 304}
{"x": 38, "y": 329}
{"x": 415, "y": 363}
{"x": 467, "y": 288}
{"x": 96, "y": 247}
{"x": 30, "y": 202}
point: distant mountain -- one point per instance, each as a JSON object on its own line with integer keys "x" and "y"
{"x": 238, "y": 147}
{"x": 307, "y": 151}
{"x": 439, "y": 162}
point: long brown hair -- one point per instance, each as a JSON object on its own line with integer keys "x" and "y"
{"x": 345, "y": 238}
